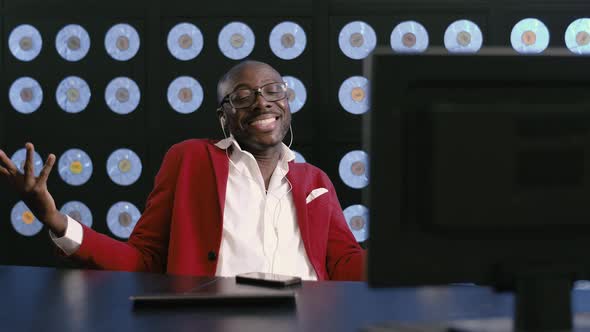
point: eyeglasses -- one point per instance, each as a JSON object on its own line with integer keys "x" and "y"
{"x": 242, "y": 98}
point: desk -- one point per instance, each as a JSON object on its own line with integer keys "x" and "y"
{"x": 47, "y": 299}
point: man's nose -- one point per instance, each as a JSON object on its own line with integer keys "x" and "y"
{"x": 260, "y": 102}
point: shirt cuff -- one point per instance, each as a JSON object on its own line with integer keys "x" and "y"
{"x": 72, "y": 239}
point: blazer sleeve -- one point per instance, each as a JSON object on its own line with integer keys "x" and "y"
{"x": 147, "y": 247}
{"x": 345, "y": 258}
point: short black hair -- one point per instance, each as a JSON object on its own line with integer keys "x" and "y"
{"x": 233, "y": 72}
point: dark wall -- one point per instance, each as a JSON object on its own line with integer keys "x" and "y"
{"x": 324, "y": 132}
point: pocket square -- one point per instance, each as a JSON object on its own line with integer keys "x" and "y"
{"x": 315, "y": 194}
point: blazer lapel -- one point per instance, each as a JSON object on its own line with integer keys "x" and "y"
{"x": 220, "y": 165}
{"x": 295, "y": 176}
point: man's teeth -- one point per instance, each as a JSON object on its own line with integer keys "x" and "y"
{"x": 263, "y": 122}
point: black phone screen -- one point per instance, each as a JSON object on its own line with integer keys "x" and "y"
{"x": 267, "y": 279}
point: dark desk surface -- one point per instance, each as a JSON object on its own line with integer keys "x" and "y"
{"x": 46, "y": 299}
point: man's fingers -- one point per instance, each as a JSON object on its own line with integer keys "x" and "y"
{"x": 29, "y": 164}
{"x": 8, "y": 164}
{"x": 47, "y": 168}
{"x": 4, "y": 171}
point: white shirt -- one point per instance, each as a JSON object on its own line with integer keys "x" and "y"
{"x": 260, "y": 229}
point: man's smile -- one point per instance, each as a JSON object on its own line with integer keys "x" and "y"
{"x": 264, "y": 122}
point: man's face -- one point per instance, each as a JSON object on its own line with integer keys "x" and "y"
{"x": 263, "y": 124}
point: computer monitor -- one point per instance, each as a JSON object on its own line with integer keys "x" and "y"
{"x": 480, "y": 169}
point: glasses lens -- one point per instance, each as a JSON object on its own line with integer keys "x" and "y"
{"x": 242, "y": 98}
{"x": 274, "y": 91}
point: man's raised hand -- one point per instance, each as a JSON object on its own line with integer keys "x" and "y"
{"x": 33, "y": 190}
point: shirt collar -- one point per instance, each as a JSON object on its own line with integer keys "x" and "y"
{"x": 286, "y": 154}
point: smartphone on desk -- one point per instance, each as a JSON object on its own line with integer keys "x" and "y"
{"x": 267, "y": 279}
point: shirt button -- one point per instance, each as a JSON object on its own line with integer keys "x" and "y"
{"x": 211, "y": 256}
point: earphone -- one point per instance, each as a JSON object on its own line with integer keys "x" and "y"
{"x": 277, "y": 209}
{"x": 276, "y": 216}
{"x": 222, "y": 123}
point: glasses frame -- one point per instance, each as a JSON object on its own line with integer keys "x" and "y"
{"x": 257, "y": 92}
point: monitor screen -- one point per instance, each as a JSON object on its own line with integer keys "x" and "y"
{"x": 481, "y": 166}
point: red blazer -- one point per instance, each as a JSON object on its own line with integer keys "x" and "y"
{"x": 180, "y": 230}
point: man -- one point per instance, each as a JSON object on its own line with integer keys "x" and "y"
{"x": 220, "y": 208}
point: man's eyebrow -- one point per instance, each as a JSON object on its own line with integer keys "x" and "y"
{"x": 241, "y": 85}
